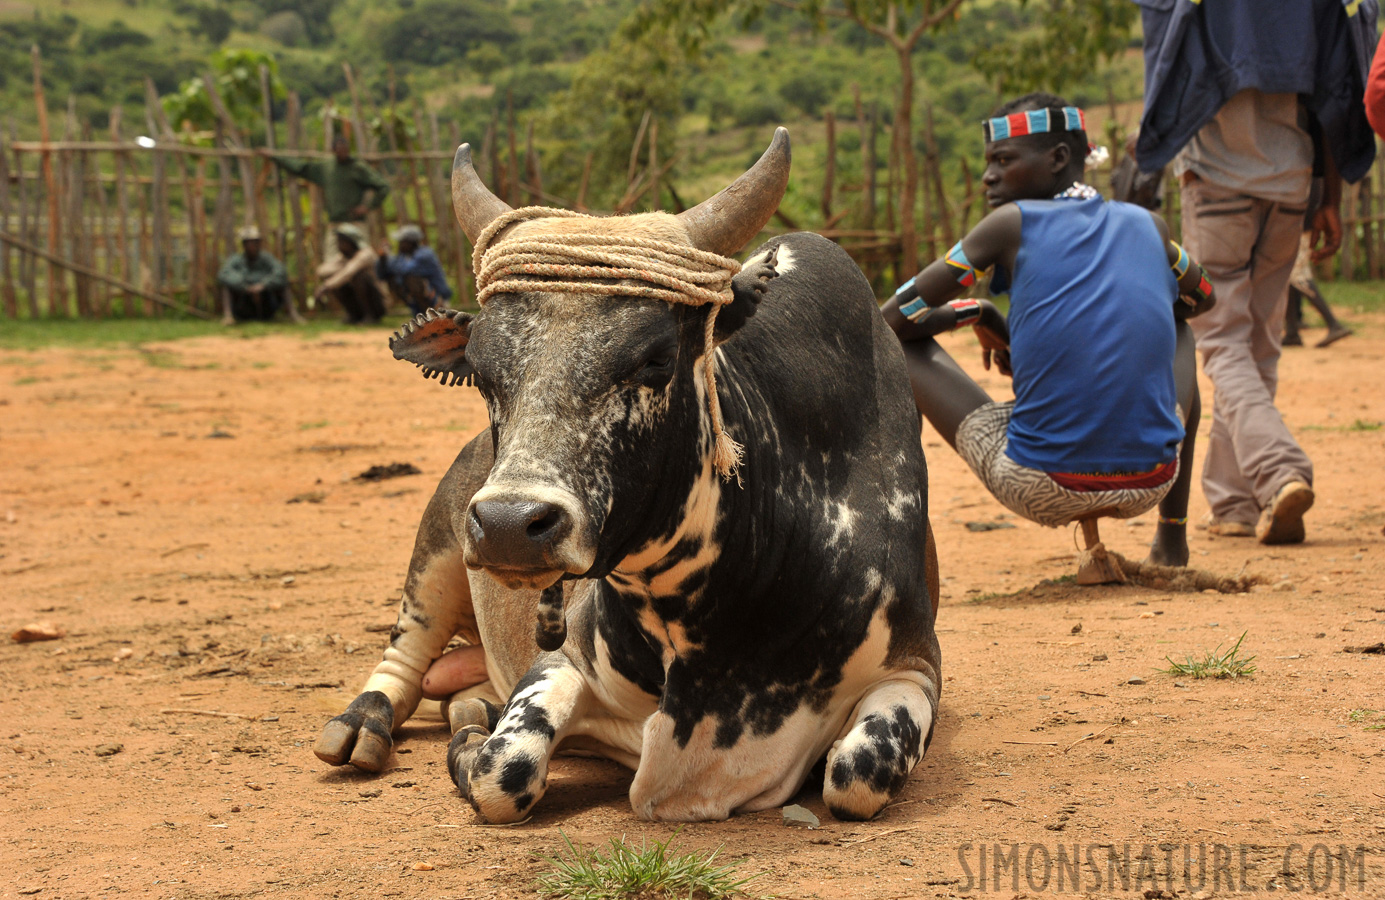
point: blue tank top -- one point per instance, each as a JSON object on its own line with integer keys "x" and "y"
{"x": 1092, "y": 340}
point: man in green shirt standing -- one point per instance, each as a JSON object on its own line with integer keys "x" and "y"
{"x": 253, "y": 283}
{"x": 350, "y": 189}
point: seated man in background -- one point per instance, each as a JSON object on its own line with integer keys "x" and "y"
{"x": 252, "y": 282}
{"x": 352, "y": 282}
{"x": 1102, "y": 360}
{"x": 414, "y": 275}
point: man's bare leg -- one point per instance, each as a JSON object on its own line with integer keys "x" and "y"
{"x": 1170, "y": 547}
{"x": 943, "y": 393}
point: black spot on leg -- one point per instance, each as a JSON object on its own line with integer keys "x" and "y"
{"x": 516, "y": 776}
{"x": 728, "y": 732}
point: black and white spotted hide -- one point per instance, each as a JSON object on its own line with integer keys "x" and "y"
{"x": 718, "y": 636}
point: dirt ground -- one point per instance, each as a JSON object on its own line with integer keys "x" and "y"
{"x": 186, "y": 513}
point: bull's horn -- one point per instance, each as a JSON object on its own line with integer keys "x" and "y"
{"x": 472, "y": 202}
{"x": 726, "y": 223}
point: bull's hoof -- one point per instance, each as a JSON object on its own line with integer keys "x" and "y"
{"x": 475, "y": 711}
{"x": 360, "y": 736}
{"x": 1095, "y": 566}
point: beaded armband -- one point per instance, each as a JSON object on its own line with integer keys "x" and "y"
{"x": 963, "y": 269}
{"x": 1200, "y": 294}
{"x": 1181, "y": 265}
{"x": 968, "y": 312}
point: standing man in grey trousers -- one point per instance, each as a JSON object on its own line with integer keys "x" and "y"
{"x": 1250, "y": 110}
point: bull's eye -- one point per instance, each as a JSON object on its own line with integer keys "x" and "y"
{"x": 656, "y": 371}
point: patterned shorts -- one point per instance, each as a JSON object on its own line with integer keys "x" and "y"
{"x": 981, "y": 441}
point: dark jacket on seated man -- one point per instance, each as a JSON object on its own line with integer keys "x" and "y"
{"x": 252, "y": 281}
{"x": 414, "y": 274}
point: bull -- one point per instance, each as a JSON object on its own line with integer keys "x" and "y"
{"x": 719, "y": 636}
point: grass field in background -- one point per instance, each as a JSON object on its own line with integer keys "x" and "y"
{"x": 37, "y": 333}
{"x": 1346, "y": 297}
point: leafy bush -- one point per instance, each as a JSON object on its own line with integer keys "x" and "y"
{"x": 287, "y": 28}
{"x": 112, "y": 37}
{"x": 436, "y": 32}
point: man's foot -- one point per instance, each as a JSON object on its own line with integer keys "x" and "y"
{"x": 1334, "y": 335}
{"x": 1292, "y": 340}
{"x": 1282, "y": 521}
{"x": 1226, "y": 527}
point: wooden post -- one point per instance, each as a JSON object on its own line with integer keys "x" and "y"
{"x": 223, "y": 212}
{"x": 363, "y": 144}
{"x": 512, "y": 168}
{"x": 281, "y": 244}
{"x": 829, "y": 175}
{"x": 159, "y": 198}
{"x": 303, "y": 261}
{"x": 653, "y": 164}
{"x": 28, "y": 228}
{"x": 57, "y": 283}
{"x": 128, "y": 269}
{"x": 532, "y": 176}
{"x": 230, "y": 134}
{"x": 196, "y": 265}
{"x": 442, "y": 245}
{"x": 865, "y": 121}
{"x": 8, "y": 297}
{"x": 487, "y": 155}
{"x": 581, "y": 204}
{"x": 75, "y": 177}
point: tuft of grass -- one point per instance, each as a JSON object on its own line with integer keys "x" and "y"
{"x": 308, "y": 426}
{"x": 651, "y": 871}
{"x": 1370, "y": 719}
{"x": 1214, "y": 663}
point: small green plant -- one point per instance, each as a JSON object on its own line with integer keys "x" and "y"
{"x": 308, "y": 426}
{"x": 1371, "y": 719}
{"x": 651, "y": 871}
{"x": 1214, "y": 663}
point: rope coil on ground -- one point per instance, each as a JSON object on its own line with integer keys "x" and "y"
{"x": 674, "y": 273}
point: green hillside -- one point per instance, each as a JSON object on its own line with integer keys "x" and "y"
{"x": 568, "y": 68}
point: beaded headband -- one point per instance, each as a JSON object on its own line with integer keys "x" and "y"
{"x": 1034, "y": 121}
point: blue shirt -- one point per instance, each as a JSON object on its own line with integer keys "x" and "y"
{"x": 423, "y": 263}
{"x": 1092, "y": 340}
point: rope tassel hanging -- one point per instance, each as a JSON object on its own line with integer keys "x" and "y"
{"x": 674, "y": 273}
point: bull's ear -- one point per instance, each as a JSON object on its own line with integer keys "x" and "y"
{"x": 435, "y": 341}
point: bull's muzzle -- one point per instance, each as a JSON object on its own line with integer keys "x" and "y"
{"x": 524, "y": 541}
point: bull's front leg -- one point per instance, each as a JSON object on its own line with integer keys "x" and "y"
{"x": 505, "y": 773}
{"x": 886, "y": 739}
{"x": 436, "y": 606}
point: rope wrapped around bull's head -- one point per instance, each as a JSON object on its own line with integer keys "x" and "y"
{"x": 577, "y": 264}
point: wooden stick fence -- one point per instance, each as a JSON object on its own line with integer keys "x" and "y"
{"x": 119, "y": 227}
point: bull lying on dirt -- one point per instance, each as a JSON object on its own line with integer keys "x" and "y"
{"x": 717, "y": 635}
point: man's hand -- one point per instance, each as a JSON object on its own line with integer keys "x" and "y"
{"x": 263, "y": 151}
{"x": 383, "y": 250}
{"x": 993, "y": 345}
{"x": 1327, "y": 225}
{"x": 320, "y": 291}
{"x": 358, "y": 211}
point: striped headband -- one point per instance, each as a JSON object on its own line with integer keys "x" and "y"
{"x": 1034, "y": 121}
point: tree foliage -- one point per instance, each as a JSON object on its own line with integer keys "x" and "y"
{"x": 1072, "y": 38}
{"x": 435, "y": 32}
{"x": 237, "y": 77}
